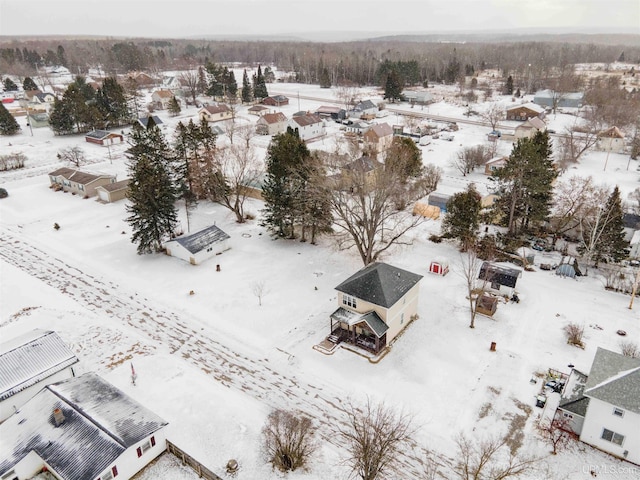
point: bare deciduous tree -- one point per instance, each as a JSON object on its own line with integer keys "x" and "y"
{"x": 489, "y": 459}
{"x": 493, "y": 115}
{"x": 470, "y": 264}
{"x": 288, "y": 440}
{"x": 347, "y": 95}
{"x": 574, "y": 199}
{"x": 574, "y": 143}
{"x": 467, "y": 159}
{"x": 373, "y": 439}
{"x": 260, "y": 289}
{"x": 555, "y": 433}
{"x": 189, "y": 80}
{"x": 73, "y": 155}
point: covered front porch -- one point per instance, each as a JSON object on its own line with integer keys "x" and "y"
{"x": 364, "y": 330}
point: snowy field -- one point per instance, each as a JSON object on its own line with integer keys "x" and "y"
{"x": 215, "y": 363}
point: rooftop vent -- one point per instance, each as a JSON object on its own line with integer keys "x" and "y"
{"x": 58, "y": 417}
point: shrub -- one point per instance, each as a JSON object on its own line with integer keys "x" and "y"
{"x": 629, "y": 349}
{"x": 574, "y": 334}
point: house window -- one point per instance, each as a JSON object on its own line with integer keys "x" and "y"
{"x": 402, "y": 319}
{"x": 80, "y": 187}
{"x": 146, "y": 446}
{"x": 109, "y": 475}
{"x": 567, "y": 415}
{"x": 618, "y": 412}
{"x": 612, "y": 437}
{"x": 349, "y": 301}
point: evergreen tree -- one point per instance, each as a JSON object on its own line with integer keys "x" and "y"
{"x": 111, "y": 102}
{"x": 174, "y": 107}
{"x": 611, "y": 247}
{"x": 10, "y": 85}
{"x": 247, "y": 91}
{"x": 8, "y": 124}
{"x": 152, "y": 193}
{"x": 325, "y": 80}
{"x": 508, "y": 88}
{"x": 201, "y": 86}
{"x": 60, "y": 56}
{"x": 269, "y": 76}
{"x": 215, "y": 85}
{"x": 61, "y": 119}
{"x": 287, "y": 156}
{"x": 259, "y": 86}
{"x": 393, "y": 87}
{"x": 231, "y": 86}
{"x": 462, "y": 219}
{"x": 29, "y": 84}
{"x": 404, "y": 158}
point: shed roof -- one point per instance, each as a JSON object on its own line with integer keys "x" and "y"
{"x": 380, "y": 284}
{"x": 497, "y": 273}
{"x": 145, "y": 120}
{"x": 529, "y": 106}
{"x": 31, "y": 358}
{"x": 615, "y": 379}
{"x": 102, "y": 134}
{"x": 101, "y": 422}
{"x": 198, "y": 241}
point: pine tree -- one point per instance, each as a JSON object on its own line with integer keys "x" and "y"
{"x": 508, "y": 88}
{"x": 462, "y": 219}
{"x": 10, "y": 85}
{"x": 231, "y": 86}
{"x": 286, "y": 157}
{"x": 111, "y": 102}
{"x": 29, "y": 84}
{"x": 8, "y": 124}
{"x": 269, "y": 76}
{"x": 325, "y": 80}
{"x": 247, "y": 91}
{"x": 61, "y": 119}
{"x": 612, "y": 244}
{"x": 174, "y": 107}
{"x": 260, "y": 87}
{"x": 152, "y": 193}
{"x": 202, "y": 80}
{"x": 393, "y": 87}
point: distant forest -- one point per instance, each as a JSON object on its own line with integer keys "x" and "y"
{"x": 345, "y": 63}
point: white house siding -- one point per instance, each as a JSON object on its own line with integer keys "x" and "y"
{"x": 128, "y": 464}
{"x": 9, "y": 405}
{"x": 615, "y": 145}
{"x": 176, "y": 250}
{"x": 600, "y": 416}
{"x": 575, "y": 421}
{"x": 399, "y": 315}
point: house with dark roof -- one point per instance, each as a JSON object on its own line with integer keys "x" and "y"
{"x": 82, "y": 428}
{"x": 199, "y": 246}
{"x": 103, "y": 137}
{"x": 365, "y": 109}
{"x": 113, "y": 192}
{"x": 359, "y": 173}
{"x": 78, "y": 182}
{"x": 309, "y": 127}
{"x": 334, "y": 113}
{"x": 144, "y": 121}
{"x": 499, "y": 277}
{"x": 258, "y": 110}
{"x": 28, "y": 363}
{"x": 612, "y": 412}
{"x": 374, "y": 305}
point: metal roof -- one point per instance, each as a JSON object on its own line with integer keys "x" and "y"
{"x": 100, "y": 423}
{"x": 496, "y": 273}
{"x": 372, "y": 319}
{"x": 102, "y": 134}
{"x": 198, "y": 241}
{"x": 145, "y": 120}
{"x": 380, "y": 284}
{"x": 615, "y": 379}
{"x": 31, "y": 358}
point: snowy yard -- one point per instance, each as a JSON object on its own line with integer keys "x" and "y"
{"x": 215, "y": 363}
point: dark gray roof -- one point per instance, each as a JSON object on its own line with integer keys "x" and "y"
{"x": 573, "y": 399}
{"x": 364, "y": 105}
{"x": 101, "y": 422}
{"x": 496, "y": 273}
{"x": 144, "y": 120}
{"x": 372, "y": 319}
{"x": 363, "y": 164}
{"x": 615, "y": 379}
{"x": 380, "y": 284}
{"x": 199, "y": 241}
{"x": 578, "y": 406}
{"x": 31, "y": 358}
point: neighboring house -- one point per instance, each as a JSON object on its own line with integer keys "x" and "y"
{"x": 440, "y": 200}
{"x": 45, "y": 97}
{"x": 499, "y": 277}
{"x": 28, "y": 363}
{"x": 611, "y": 140}
{"x": 525, "y": 111}
{"x": 199, "y": 246}
{"x": 605, "y": 409}
{"x": 308, "y": 126}
{"x": 113, "y": 192}
{"x": 378, "y": 138}
{"x": 631, "y": 223}
{"x": 547, "y": 98}
{"x": 334, "y": 113}
{"x": 634, "y": 243}
{"x": 357, "y": 127}
{"x": 215, "y": 113}
{"x": 365, "y": 109}
{"x": 258, "y": 110}
{"x": 78, "y": 182}
{"x": 102, "y": 137}
{"x": 253, "y": 187}
{"x": 161, "y": 99}
{"x": 494, "y": 164}
{"x": 30, "y": 95}
{"x": 529, "y": 128}
{"x": 144, "y": 121}
{"x": 82, "y": 428}
{"x": 276, "y": 101}
{"x": 361, "y": 170}
{"x": 271, "y": 124}
{"x": 418, "y": 96}
{"x": 374, "y": 306}
{"x": 38, "y": 119}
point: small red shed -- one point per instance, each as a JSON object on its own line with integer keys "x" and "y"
{"x": 439, "y": 267}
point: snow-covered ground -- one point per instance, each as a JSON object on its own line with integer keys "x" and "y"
{"x": 215, "y": 363}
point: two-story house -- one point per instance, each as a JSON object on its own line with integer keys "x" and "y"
{"x": 378, "y": 138}
{"x": 374, "y": 305}
{"x": 309, "y": 127}
{"x": 271, "y": 123}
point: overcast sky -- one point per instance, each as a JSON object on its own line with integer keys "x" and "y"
{"x": 185, "y": 18}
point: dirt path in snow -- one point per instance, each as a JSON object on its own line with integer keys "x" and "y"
{"x": 239, "y": 370}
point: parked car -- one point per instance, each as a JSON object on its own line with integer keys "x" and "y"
{"x": 446, "y": 136}
{"x": 496, "y": 133}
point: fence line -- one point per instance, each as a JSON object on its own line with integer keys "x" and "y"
{"x": 201, "y": 470}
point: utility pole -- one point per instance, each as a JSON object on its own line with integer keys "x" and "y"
{"x": 635, "y": 288}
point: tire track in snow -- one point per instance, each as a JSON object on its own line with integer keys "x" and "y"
{"x": 231, "y": 368}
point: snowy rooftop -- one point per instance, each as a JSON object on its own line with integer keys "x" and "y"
{"x": 198, "y": 241}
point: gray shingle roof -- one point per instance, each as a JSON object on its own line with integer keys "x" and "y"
{"x": 31, "y": 358}
{"x": 380, "y": 284}
{"x": 573, "y": 399}
{"x": 82, "y": 178}
{"x": 101, "y": 422}
{"x": 615, "y": 379}
{"x": 198, "y": 241}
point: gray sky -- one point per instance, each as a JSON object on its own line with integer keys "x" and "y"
{"x": 183, "y": 18}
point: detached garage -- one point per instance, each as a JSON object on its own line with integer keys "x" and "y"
{"x": 102, "y": 137}
{"x": 199, "y": 246}
{"x": 113, "y": 192}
